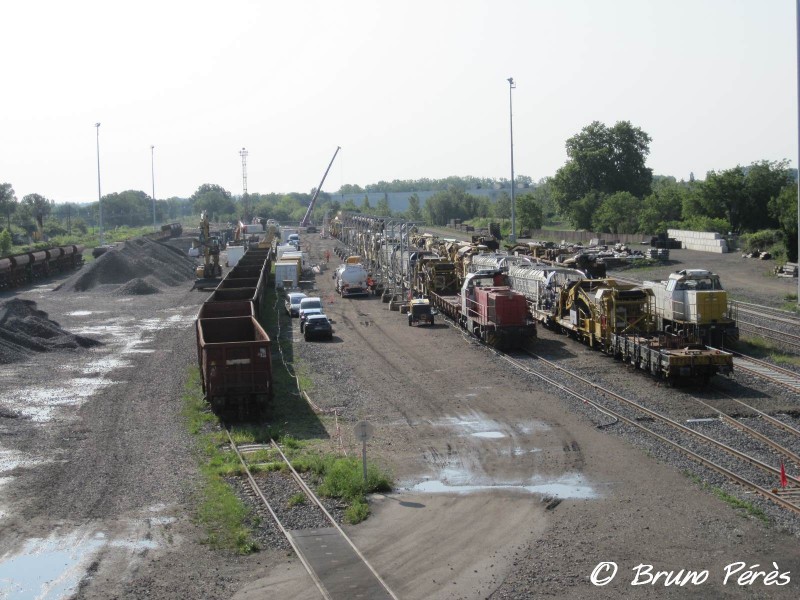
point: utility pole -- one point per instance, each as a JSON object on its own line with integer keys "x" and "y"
{"x": 153, "y": 179}
{"x": 245, "y": 202}
{"x": 99, "y": 196}
{"x": 513, "y": 237}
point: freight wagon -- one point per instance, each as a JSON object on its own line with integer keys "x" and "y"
{"x": 236, "y": 366}
{"x": 489, "y": 310}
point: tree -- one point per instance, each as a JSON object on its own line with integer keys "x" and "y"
{"x": 8, "y": 202}
{"x": 662, "y": 208}
{"x": 502, "y": 207}
{"x": 603, "y": 160}
{"x": 454, "y": 203}
{"x": 618, "y": 213}
{"x": 528, "y": 211}
{"x": 382, "y": 209}
{"x": 413, "y": 213}
{"x": 783, "y": 209}
{"x": 39, "y": 207}
{"x": 214, "y": 199}
{"x": 365, "y": 206}
{"x": 5, "y": 242}
{"x": 740, "y": 195}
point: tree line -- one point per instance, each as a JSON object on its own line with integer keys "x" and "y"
{"x": 605, "y": 185}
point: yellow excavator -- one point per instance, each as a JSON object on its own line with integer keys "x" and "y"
{"x": 210, "y": 272}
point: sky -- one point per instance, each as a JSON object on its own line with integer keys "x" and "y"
{"x": 408, "y": 89}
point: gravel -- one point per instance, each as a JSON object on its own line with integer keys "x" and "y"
{"x": 25, "y": 330}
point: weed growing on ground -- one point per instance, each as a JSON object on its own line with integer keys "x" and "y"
{"x": 758, "y": 347}
{"x": 220, "y": 512}
{"x": 790, "y": 303}
{"x": 296, "y": 499}
{"x": 729, "y": 499}
{"x": 356, "y": 512}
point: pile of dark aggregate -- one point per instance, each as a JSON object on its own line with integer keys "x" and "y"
{"x": 26, "y": 330}
{"x": 137, "y": 287}
{"x": 135, "y": 259}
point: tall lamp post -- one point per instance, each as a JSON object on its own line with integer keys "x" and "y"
{"x": 99, "y": 196}
{"x": 153, "y": 180}
{"x": 513, "y": 237}
{"x": 797, "y": 34}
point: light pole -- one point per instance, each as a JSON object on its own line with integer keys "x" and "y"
{"x": 99, "y": 196}
{"x": 513, "y": 237}
{"x": 153, "y": 180}
{"x": 797, "y": 34}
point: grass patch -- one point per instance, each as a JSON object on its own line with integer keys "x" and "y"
{"x": 297, "y": 499}
{"x": 220, "y": 512}
{"x": 758, "y": 347}
{"x": 733, "y": 501}
{"x": 356, "y": 512}
{"x": 790, "y": 303}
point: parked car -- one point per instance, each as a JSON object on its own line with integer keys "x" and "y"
{"x": 308, "y": 306}
{"x": 318, "y": 326}
{"x": 292, "y": 303}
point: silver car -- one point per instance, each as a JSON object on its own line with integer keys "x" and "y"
{"x": 292, "y": 303}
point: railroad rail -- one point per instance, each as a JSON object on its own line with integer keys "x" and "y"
{"x": 774, "y": 314}
{"x": 788, "y": 498}
{"x": 780, "y": 337}
{"x": 334, "y": 563}
{"x": 772, "y": 373}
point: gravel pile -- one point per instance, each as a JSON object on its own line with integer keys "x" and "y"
{"x": 135, "y": 259}
{"x": 137, "y": 287}
{"x": 25, "y": 330}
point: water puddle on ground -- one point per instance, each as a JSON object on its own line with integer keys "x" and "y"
{"x": 476, "y": 424}
{"x": 39, "y": 404}
{"x": 80, "y": 313}
{"x": 51, "y": 569}
{"x": 572, "y": 486}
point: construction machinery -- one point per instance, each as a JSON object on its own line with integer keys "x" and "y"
{"x": 307, "y": 217}
{"x": 209, "y": 273}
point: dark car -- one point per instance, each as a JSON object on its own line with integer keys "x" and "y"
{"x": 318, "y": 326}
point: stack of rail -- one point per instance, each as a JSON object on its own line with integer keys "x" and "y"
{"x": 233, "y": 350}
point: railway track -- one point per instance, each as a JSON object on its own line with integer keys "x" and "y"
{"x": 690, "y": 442}
{"x": 761, "y": 311}
{"x": 334, "y": 563}
{"x": 774, "y": 374}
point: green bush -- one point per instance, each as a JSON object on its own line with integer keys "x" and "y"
{"x": 764, "y": 240}
{"x": 356, "y": 512}
{"x": 5, "y": 243}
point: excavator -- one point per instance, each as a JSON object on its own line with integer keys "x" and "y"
{"x": 210, "y": 272}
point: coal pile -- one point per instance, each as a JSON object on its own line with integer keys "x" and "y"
{"x": 137, "y": 287}
{"x": 25, "y": 330}
{"x": 137, "y": 259}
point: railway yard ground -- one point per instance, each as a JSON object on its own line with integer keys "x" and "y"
{"x": 505, "y": 485}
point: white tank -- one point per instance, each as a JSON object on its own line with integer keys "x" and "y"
{"x": 351, "y": 279}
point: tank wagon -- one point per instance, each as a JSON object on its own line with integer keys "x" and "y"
{"x": 25, "y": 268}
{"x": 692, "y": 303}
{"x": 233, "y": 350}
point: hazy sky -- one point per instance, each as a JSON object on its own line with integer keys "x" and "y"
{"x": 409, "y": 89}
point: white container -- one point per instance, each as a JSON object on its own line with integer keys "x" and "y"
{"x": 286, "y": 274}
{"x": 234, "y": 254}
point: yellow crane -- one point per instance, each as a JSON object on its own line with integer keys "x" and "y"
{"x": 210, "y": 270}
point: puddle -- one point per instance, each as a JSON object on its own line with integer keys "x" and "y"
{"x": 79, "y": 313}
{"x": 518, "y": 451}
{"x": 47, "y": 568}
{"x": 570, "y": 486}
{"x": 39, "y": 404}
{"x": 492, "y": 435}
{"x": 52, "y": 568}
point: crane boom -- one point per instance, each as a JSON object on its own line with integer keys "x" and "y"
{"x": 307, "y": 216}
